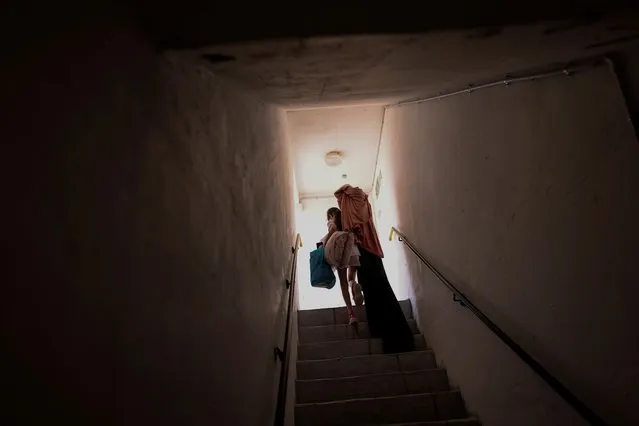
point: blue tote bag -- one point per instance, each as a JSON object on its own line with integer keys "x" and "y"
{"x": 322, "y": 275}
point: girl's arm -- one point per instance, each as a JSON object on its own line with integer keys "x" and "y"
{"x": 331, "y": 230}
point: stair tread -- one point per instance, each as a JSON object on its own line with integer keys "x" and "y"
{"x": 424, "y": 351}
{"x": 372, "y": 385}
{"x": 407, "y": 408}
{"x": 459, "y": 422}
{"x": 362, "y": 376}
{"x": 304, "y": 327}
{"x": 407, "y": 395}
{"x": 346, "y": 341}
{"x": 339, "y": 315}
{"x": 357, "y": 365}
{"x": 349, "y": 347}
{"x": 337, "y": 332}
{"x": 404, "y": 304}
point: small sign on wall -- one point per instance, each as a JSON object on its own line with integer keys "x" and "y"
{"x": 378, "y": 184}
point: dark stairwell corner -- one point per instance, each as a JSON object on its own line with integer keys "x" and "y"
{"x": 153, "y": 167}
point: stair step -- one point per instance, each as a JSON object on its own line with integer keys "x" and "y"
{"x": 382, "y": 410}
{"x": 330, "y": 316}
{"x": 367, "y": 364}
{"x": 345, "y": 348}
{"x": 372, "y": 385}
{"x": 456, "y": 422}
{"x": 326, "y": 333}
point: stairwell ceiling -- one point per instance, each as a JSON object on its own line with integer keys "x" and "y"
{"x": 191, "y": 24}
{"x": 334, "y": 87}
{"x": 354, "y": 131}
{"x": 317, "y": 75}
{"x": 378, "y": 69}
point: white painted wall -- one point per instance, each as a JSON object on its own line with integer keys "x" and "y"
{"x": 311, "y": 223}
{"x": 385, "y": 207}
{"x": 526, "y": 198}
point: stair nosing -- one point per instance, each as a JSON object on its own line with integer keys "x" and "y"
{"x": 387, "y": 373}
{"x": 342, "y": 307}
{"x": 339, "y": 341}
{"x": 406, "y": 395}
{"x": 341, "y": 324}
{"x": 434, "y": 422}
{"x": 319, "y": 342}
{"x": 363, "y": 356}
{"x": 323, "y": 342}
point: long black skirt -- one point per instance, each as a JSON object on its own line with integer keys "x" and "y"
{"x": 385, "y": 317}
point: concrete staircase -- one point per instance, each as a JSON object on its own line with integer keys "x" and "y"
{"x": 344, "y": 379}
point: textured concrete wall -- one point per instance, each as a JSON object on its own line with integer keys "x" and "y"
{"x": 289, "y": 419}
{"x": 148, "y": 236}
{"x": 627, "y": 67}
{"x": 526, "y": 198}
{"x": 384, "y": 209}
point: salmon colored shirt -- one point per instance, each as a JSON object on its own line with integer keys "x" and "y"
{"x": 357, "y": 217}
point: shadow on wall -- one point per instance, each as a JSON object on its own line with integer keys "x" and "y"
{"x": 149, "y": 239}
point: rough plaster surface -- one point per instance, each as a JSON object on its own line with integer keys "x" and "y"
{"x": 385, "y": 206}
{"x": 525, "y": 197}
{"x": 193, "y": 23}
{"x": 387, "y": 68}
{"x": 627, "y": 66}
{"x": 149, "y": 237}
{"x": 291, "y": 393}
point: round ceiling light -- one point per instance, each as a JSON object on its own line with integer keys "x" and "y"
{"x": 333, "y": 158}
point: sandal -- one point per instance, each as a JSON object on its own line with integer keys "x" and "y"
{"x": 356, "y": 289}
{"x": 352, "y": 319}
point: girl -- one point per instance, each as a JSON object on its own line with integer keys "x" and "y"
{"x": 341, "y": 252}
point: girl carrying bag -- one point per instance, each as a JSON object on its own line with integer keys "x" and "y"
{"x": 322, "y": 275}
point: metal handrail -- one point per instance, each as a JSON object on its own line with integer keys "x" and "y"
{"x": 582, "y": 409}
{"x": 283, "y": 353}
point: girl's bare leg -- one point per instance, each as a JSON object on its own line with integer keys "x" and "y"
{"x": 356, "y": 288}
{"x": 352, "y": 273}
{"x": 343, "y": 283}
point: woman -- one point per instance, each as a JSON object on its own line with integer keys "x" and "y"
{"x": 385, "y": 317}
{"x": 341, "y": 252}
